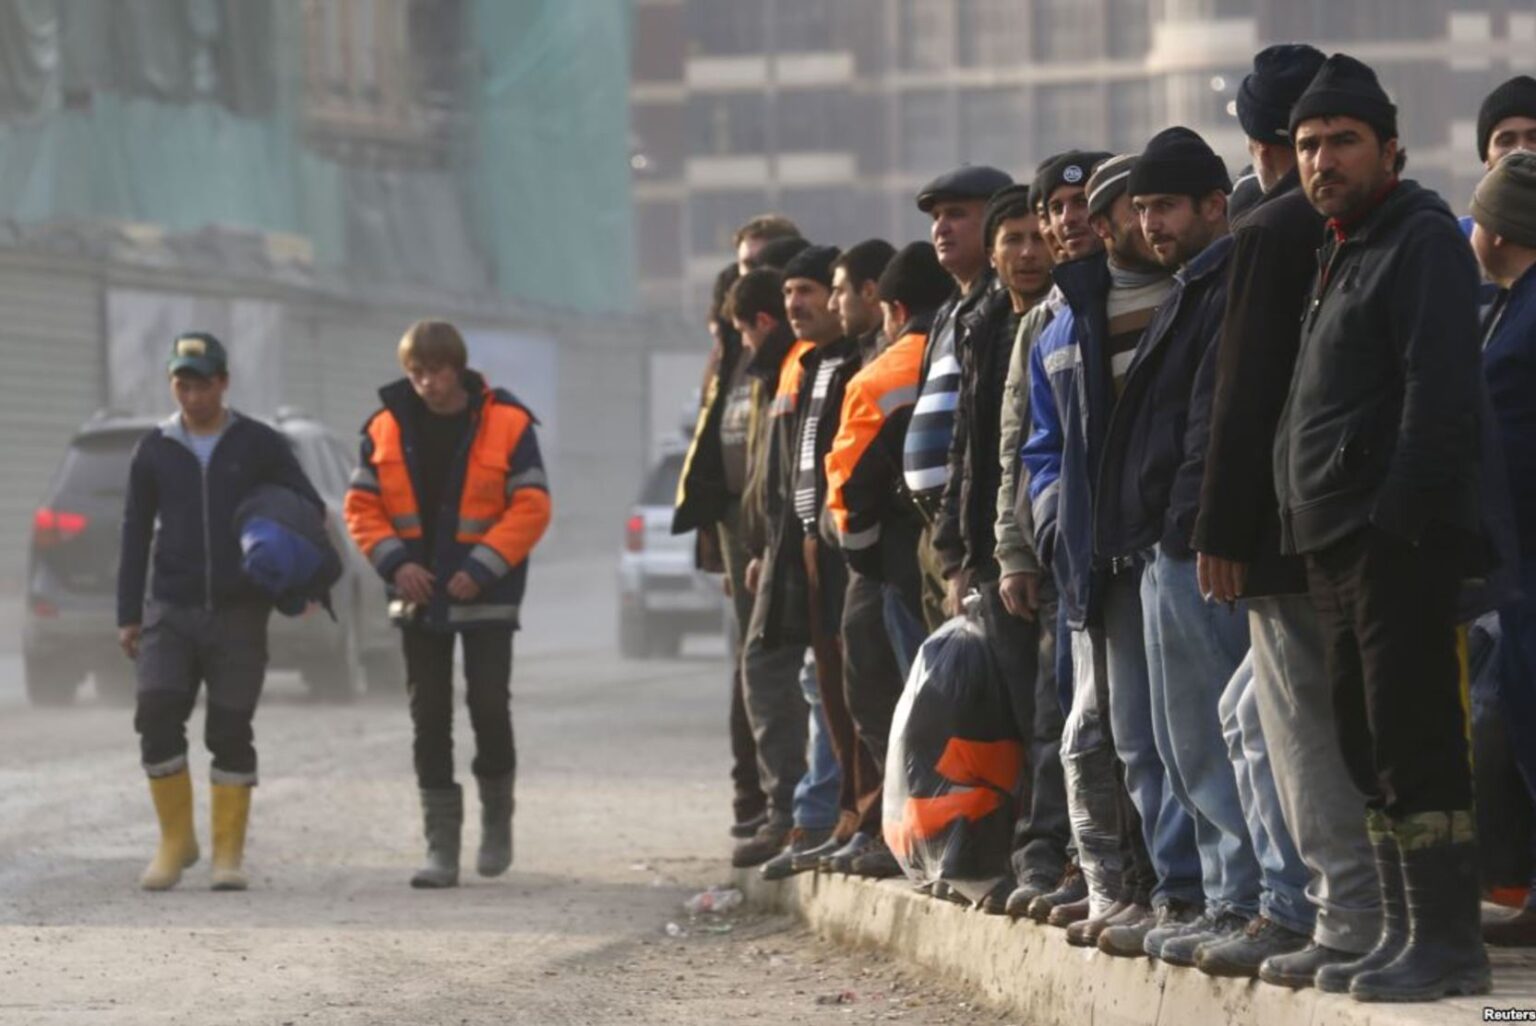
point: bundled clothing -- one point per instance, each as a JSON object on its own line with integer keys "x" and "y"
{"x": 287, "y": 550}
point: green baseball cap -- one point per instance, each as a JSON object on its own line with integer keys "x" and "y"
{"x": 198, "y": 352}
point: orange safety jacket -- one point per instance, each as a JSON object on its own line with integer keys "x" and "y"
{"x": 502, "y": 511}
{"x": 864, "y": 467}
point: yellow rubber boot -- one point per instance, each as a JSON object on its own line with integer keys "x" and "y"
{"x": 231, "y": 811}
{"x": 178, "y": 841}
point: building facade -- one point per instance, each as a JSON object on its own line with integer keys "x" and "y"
{"x": 835, "y": 113}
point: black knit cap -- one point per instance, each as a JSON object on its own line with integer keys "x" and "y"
{"x": 1344, "y": 87}
{"x": 1280, "y": 75}
{"x": 1178, "y": 162}
{"x": 1005, "y": 204}
{"x": 1073, "y": 167}
{"x": 915, "y": 279}
{"x": 813, "y": 262}
{"x": 778, "y": 252}
{"x": 1515, "y": 98}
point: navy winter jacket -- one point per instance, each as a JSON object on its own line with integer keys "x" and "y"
{"x": 1071, "y": 396}
{"x": 1154, "y": 452}
{"x": 1509, "y": 365}
{"x": 287, "y": 550}
{"x": 189, "y": 514}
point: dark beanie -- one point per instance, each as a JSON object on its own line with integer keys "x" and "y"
{"x": 1280, "y": 75}
{"x": 1108, "y": 183}
{"x": 1008, "y": 202}
{"x": 1517, "y": 97}
{"x": 813, "y": 262}
{"x": 1073, "y": 167}
{"x": 915, "y": 279}
{"x": 1505, "y": 200}
{"x": 1179, "y": 162}
{"x": 778, "y": 252}
{"x": 1344, "y": 87}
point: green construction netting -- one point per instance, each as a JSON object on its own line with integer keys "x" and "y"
{"x": 187, "y": 113}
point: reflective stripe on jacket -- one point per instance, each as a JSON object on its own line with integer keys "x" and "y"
{"x": 502, "y": 510}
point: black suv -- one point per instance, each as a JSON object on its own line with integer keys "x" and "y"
{"x": 70, "y": 631}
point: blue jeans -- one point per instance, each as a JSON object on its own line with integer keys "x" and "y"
{"x": 1168, "y": 829}
{"x": 906, "y": 630}
{"x": 1193, "y": 649}
{"x": 816, "y": 796}
{"x": 1284, "y": 877}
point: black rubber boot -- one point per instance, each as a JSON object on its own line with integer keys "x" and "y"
{"x": 1444, "y": 954}
{"x": 496, "y": 807}
{"x": 1336, "y": 978}
{"x": 442, "y": 811}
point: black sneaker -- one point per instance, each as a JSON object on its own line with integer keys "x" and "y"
{"x": 801, "y": 841}
{"x": 1242, "y": 954}
{"x": 745, "y": 828}
{"x": 769, "y": 840}
{"x": 1299, "y": 970}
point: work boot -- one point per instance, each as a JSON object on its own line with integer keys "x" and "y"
{"x": 1517, "y": 930}
{"x": 1243, "y": 953}
{"x": 172, "y": 796}
{"x": 1027, "y": 891}
{"x": 496, "y": 807}
{"x": 1071, "y": 888}
{"x": 1444, "y": 954}
{"x": 1335, "y": 979}
{"x": 763, "y": 845}
{"x": 231, "y": 813}
{"x": 841, "y": 860}
{"x": 442, "y": 811}
{"x": 1129, "y": 940}
{"x": 995, "y": 901}
{"x": 743, "y": 829}
{"x": 811, "y": 858}
{"x": 1064, "y": 915}
{"x": 801, "y": 840}
{"x": 878, "y": 863}
{"x": 1085, "y": 932}
{"x": 1183, "y": 949}
{"x": 1299, "y": 970}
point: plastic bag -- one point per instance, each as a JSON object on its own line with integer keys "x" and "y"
{"x": 953, "y": 765}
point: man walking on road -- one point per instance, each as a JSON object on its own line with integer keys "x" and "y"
{"x": 448, "y": 501}
{"x": 204, "y": 622}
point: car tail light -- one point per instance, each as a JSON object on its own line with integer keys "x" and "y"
{"x": 634, "y": 534}
{"x": 43, "y": 609}
{"x": 52, "y": 527}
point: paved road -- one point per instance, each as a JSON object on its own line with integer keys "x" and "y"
{"x": 622, "y": 805}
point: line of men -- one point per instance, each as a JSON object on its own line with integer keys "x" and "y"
{"x": 1231, "y": 471}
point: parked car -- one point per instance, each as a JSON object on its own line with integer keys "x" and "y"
{"x": 69, "y": 632}
{"x": 662, "y": 597}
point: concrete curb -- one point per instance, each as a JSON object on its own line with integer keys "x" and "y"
{"x": 1032, "y": 970}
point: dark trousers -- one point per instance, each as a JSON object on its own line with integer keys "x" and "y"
{"x": 748, "y": 800}
{"x": 859, "y": 796}
{"x": 1026, "y": 656}
{"x": 872, "y": 680}
{"x": 488, "y": 692}
{"x": 1388, "y": 615}
{"x": 1517, "y": 685}
{"x": 183, "y": 649}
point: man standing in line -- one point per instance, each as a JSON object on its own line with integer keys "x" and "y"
{"x": 1376, "y": 463}
{"x": 1308, "y": 795}
{"x": 205, "y": 623}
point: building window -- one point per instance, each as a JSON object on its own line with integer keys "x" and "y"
{"x": 808, "y": 120}
{"x": 992, "y": 33}
{"x": 722, "y": 124}
{"x": 802, "y": 25}
{"x": 713, "y": 218}
{"x": 1066, "y": 30}
{"x": 1133, "y": 115}
{"x": 1130, "y": 28}
{"x": 994, "y": 128}
{"x": 1067, "y": 117}
{"x": 926, "y": 31}
{"x": 385, "y": 72}
{"x": 725, "y": 28}
{"x": 928, "y": 144}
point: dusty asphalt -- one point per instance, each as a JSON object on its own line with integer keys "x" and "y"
{"x": 623, "y": 802}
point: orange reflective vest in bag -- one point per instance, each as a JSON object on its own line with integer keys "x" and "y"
{"x": 502, "y": 510}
